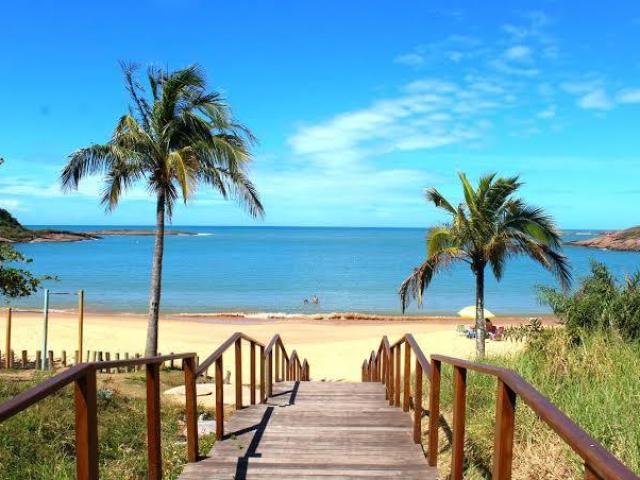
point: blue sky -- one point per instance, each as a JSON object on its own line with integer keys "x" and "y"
{"x": 358, "y": 105}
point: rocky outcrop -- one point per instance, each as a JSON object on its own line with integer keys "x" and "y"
{"x": 625, "y": 240}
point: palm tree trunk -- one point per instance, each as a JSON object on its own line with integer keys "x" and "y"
{"x": 151, "y": 348}
{"x": 481, "y": 327}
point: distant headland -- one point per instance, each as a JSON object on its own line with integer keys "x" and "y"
{"x": 624, "y": 240}
{"x": 12, "y": 231}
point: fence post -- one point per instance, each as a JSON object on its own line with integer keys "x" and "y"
{"x": 459, "y": 404}
{"x": 434, "y": 411}
{"x": 407, "y": 377}
{"x": 397, "y": 377}
{"x": 277, "y": 362}
{"x": 417, "y": 405}
{"x": 190, "y": 392}
{"x": 252, "y": 373}
{"x": 219, "y": 400}
{"x": 238, "y": 374}
{"x": 25, "y": 359}
{"x": 86, "y": 426}
{"x": 270, "y": 374}
{"x": 390, "y": 365}
{"x": 154, "y": 452}
{"x": 262, "y": 376}
{"x": 505, "y": 422}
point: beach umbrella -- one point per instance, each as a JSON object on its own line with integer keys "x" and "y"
{"x": 470, "y": 312}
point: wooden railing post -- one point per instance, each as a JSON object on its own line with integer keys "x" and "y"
{"x": 238, "y": 374}
{"x": 154, "y": 455}
{"x": 505, "y": 422}
{"x": 191, "y": 408}
{"x": 417, "y": 404}
{"x": 262, "y": 376}
{"x": 270, "y": 374}
{"x": 459, "y": 404}
{"x": 219, "y": 400}
{"x": 396, "y": 390}
{"x": 277, "y": 366}
{"x": 86, "y": 426}
{"x": 392, "y": 382}
{"x": 434, "y": 411}
{"x": 407, "y": 377}
{"x": 252, "y": 373}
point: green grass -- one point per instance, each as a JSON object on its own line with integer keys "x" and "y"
{"x": 39, "y": 443}
{"x": 597, "y": 384}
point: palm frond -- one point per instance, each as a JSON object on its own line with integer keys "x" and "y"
{"x": 434, "y": 196}
{"x": 414, "y": 285}
{"x": 85, "y": 161}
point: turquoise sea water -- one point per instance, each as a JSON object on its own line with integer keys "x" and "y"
{"x": 273, "y": 269}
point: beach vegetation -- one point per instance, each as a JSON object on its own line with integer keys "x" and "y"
{"x": 176, "y": 136}
{"x": 40, "y": 441}
{"x": 489, "y": 227}
{"x": 600, "y": 303}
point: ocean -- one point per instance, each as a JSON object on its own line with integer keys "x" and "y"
{"x": 273, "y": 269}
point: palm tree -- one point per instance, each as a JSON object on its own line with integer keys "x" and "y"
{"x": 173, "y": 138}
{"x": 489, "y": 227}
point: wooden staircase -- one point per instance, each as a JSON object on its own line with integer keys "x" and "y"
{"x": 317, "y": 430}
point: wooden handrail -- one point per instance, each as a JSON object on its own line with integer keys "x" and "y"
{"x": 84, "y": 377}
{"x": 384, "y": 365}
{"x": 598, "y": 461}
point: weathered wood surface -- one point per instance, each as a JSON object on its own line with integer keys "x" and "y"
{"x": 317, "y": 430}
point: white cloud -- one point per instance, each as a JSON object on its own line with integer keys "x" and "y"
{"x": 410, "y": 59}
{"x": 549, "y": 112}
{"x": 427, "y": 114}
{"x": 518, "y": 53}
{"x": 630, "y": 95}
{"x": 595, "y": 100}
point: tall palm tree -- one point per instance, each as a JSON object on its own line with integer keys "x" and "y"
{"x": 488, "y": 228}
{"x": 175, "y": 136}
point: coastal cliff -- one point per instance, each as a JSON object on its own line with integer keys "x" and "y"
{"x": 11, "y": 230}
{"x": 625, "y": 240}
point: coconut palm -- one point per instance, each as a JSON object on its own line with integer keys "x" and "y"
{"x": 175, "y": 136}
{"x": 488, "y": 228}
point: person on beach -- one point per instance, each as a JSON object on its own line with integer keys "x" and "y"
{"x": 315, "y": 299}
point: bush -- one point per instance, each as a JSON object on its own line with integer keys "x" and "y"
{"x": 599, "y": 304}
{"x": 39, "y": 443}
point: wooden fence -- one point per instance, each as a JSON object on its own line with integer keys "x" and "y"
{"x": 275, "y": 365}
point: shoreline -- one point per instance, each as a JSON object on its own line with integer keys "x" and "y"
{"x": 214, "y": 317}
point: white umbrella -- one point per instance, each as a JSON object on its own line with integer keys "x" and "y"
{"x": 470, "y": 312}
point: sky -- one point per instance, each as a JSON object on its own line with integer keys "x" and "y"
{"x": 358, "y": 106}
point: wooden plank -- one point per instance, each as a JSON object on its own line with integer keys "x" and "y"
{"x": 317, "y": 430}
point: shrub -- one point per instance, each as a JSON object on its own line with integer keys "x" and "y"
{"x": 599, "y": 304}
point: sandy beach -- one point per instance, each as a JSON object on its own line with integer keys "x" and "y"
{"x": 335, "y": 348}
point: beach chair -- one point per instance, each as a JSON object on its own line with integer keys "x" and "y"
{"x": 461, "y": 329}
